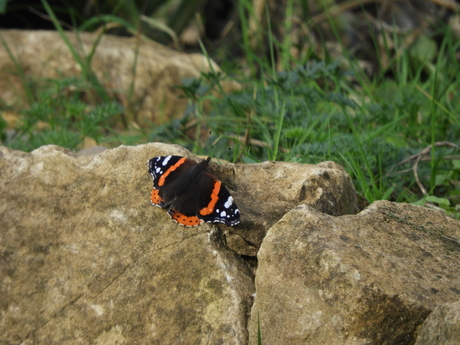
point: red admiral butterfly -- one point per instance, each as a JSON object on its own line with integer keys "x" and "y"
{"x": 191, "y": 194}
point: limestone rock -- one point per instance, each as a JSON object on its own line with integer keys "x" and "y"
{"x": 86, "y": 259}
{"x": 158, "y": 70}
{"x": 370, "y": 278}
{"x": 267, "y": 191}
{"x": 442, "y": 327}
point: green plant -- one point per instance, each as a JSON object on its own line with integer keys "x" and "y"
{"x": 314, "y": 111}
{"x": 83, "y": 61}
{"x": 60, "y": 117}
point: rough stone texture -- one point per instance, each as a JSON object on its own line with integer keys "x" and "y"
{"x": 370, "y": 278}
{"x": 442, "y": 327}
{"x": 158, "y": 69}
{"x": 268, "y": 190}
{"x": 85, "y": 258}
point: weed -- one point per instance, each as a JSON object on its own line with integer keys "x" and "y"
{"x": 60, "y": 117}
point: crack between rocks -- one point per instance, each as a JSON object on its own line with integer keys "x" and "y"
{"x": 217, "y": 242}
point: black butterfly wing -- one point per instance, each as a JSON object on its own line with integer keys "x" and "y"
{"x": 217, "y": 204}
{"x": 168, "y": 174}
{"x": 191, "y": 194}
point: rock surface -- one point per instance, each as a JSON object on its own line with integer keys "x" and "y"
{"x": 267, "y": 191}
{"x": 158, "y": 71}
{"x": 370, "y": 278}
{"x": 442, "y": 327}
{"x": 85, "y": 258}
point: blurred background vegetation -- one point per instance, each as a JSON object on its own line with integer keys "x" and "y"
{"x": 373, "y": 85}
{"x": 363, "y": 29}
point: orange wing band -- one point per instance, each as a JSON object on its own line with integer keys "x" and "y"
{"x": 163, "y": 177}
{"x": 214, "y": 198}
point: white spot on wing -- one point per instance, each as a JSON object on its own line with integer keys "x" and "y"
{"x": 229, "y": 202}
{"x": 166, "y": 160}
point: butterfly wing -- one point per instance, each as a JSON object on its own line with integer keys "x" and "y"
{"x": 167, "y": 173}
{"x": 191, "y": 194}
{"x": 217, "y": 205}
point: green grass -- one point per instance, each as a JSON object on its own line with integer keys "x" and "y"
{"x": 59, "y": 116}
{"x": 314, "y": 110}
{"x": 395, "y": 133}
